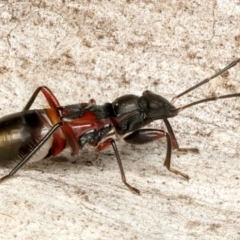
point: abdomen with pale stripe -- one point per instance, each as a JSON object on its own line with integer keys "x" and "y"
{"x": 19, "y": 134}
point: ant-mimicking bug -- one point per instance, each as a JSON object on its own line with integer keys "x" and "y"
{"x": 40, "y": 134}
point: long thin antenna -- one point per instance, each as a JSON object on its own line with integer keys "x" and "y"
{"x": 232, "y": 64}
{"x": 205, "y": 100}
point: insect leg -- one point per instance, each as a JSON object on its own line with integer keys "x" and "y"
{"x": 51, "y": 99}
{"x": 36, "y": 148}
{"x": 174, "y": 142}
{"x": 110, "y": 142}
{"x": 143, "y": 136}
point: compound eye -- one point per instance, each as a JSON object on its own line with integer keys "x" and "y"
{"x": 155, "y": 105}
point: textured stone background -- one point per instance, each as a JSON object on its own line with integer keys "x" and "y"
{"x": 102, "y": 50}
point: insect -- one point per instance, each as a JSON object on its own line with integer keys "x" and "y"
{"x": 40, "y": 134}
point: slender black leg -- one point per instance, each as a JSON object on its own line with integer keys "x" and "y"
{"x": 36, "y": 148}
{"x": 110, "y": 142}
{"x": 174, "y": 142}
{"x": 143, "y": 136}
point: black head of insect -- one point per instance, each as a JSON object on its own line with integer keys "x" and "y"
{"x": 155, "y": 106}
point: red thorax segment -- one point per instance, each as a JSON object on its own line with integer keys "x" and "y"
{"x": 72, "y": 130}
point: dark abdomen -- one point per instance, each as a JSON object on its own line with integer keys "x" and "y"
{"x": 19, "y": 133}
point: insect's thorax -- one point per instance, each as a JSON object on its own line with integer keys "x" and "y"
{"x": 90, "y": 123}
